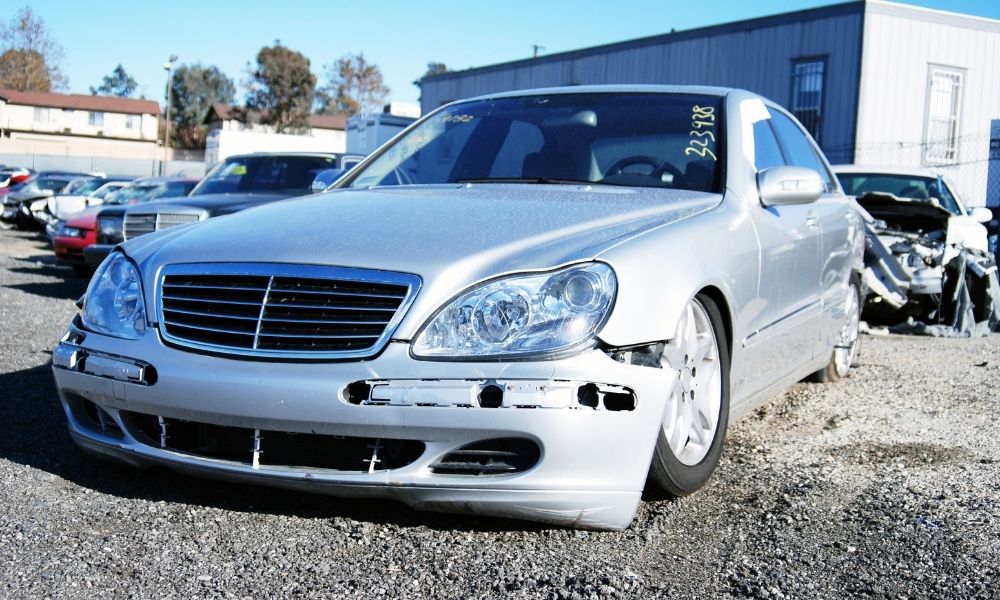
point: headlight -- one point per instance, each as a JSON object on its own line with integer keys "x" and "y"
{"x": 113, "y": 304}
{"x": 521, "y": 315}
{"x": 110, "y": 230}
{"x": 66, "y": 231}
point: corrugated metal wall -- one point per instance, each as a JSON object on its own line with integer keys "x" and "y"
{"x": 901, "y": 44}
{"x": 756, "y": 55}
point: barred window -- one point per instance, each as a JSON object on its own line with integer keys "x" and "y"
{"x": 944, "y": 107}
{"x": 807, "y": 94}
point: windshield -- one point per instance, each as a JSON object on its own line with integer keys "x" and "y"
{"x": 634, "y": 139}
{"x": 901, "y": 186}
{"x": 44, "y": 183}
{"x": 135, "y": 193}
{"x": 266, "y": 173}
{"x": 83, "y": 187}
{"x": 106, "y": 189}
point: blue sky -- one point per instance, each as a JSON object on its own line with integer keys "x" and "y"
{"x": 397, "y": 36}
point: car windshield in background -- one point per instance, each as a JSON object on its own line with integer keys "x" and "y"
{"x": 901, "y": 186}
{"x": 267, "y": 173}
{"x": 44, "y": 183}
{"x": 640, "y": 139}
{"x": 133, "y": 194}
{"x": 82, "y": 187}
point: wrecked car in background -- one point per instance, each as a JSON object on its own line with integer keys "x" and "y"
{"x": 534, "y": 305}
{"x": 944, "y": 280}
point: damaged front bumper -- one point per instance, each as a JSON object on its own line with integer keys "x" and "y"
{"x": 926, "y": 285}
{"x": 565, "y": 441}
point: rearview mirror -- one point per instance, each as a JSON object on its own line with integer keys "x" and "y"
{"x": 789, "y": 185}
{"x": 325, "y": 178}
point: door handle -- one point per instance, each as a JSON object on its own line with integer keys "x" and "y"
{"x": 812, "y": 222}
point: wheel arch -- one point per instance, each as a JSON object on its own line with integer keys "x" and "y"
{"x": 716, "y": 295}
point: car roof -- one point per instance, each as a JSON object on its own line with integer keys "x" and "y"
{"x": 612, "y": 89}
{"x": 883, "y": 170}
{"x": 258, "y": 154}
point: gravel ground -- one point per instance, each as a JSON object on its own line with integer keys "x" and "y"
{"x": 885, "y": 484}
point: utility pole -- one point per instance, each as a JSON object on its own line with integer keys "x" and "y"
{"x": 168, "y": 67}
{"x": 536, "y": 48}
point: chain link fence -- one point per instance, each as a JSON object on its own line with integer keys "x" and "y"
{"x": 968, "y": 173}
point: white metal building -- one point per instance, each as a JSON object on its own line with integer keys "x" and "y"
{"x": 875, "y": 82}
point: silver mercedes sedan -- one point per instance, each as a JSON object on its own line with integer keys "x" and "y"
{"x": 534, "y": 305}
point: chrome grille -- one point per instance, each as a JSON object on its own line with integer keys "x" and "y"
{"x": 282, "y": 310}
{"x": 136, "y": 225}
{"x": 141, "y": 224}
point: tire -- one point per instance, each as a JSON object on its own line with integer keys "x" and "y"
{"x": 681, "y": 464}
{"x": 845, "y": 354}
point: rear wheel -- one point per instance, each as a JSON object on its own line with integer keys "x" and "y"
{"x": 694, "y": 423}
{"x": 848, "y": 342}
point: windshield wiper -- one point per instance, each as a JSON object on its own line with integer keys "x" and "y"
{"x": 548, "y": 180}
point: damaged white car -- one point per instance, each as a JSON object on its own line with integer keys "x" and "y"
{"x": 930, "y": 268}
{"x": 533, "y": 305}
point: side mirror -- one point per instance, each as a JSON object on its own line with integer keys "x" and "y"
{"x": 981, "y": 214}
{"x": 789, "y": 185}
{"x": 325, "y": 178}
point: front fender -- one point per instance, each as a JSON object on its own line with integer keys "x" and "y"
{"x": 660, "y": 271}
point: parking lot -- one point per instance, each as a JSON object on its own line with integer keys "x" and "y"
{"x": 884, "y": 484}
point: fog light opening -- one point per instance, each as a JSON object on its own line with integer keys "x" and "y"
{"x": 588, "y": 395}
{"x": 491, "y": 396}
{"x": 619, "y": 401}
{"x": 357, "y": 392}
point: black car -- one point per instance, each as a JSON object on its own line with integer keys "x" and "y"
{"x": 237, "y": 183}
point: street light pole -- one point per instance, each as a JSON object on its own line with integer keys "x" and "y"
{"x": 168, "y": 67}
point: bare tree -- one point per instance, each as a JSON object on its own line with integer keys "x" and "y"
{"x": 354, "y": 86}
{"x": 29, "y": 57}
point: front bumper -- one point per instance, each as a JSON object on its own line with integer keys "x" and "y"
{"x": 590, "y": 470}
{"x": 95, "y": 254}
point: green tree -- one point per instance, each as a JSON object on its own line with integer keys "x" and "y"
{"x": 119, "y": 83}
{"x": 195, "y": 89}
{"x": 435, "y": 68}
{"x": 354, "y": 86}
{"x": 29, "y": 57}
{"x": 281, "y": 89}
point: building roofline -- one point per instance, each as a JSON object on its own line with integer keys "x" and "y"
{"x": 933, "y": 15}
{"x": 112, "y": 104}
{"x": 855, "y": 7}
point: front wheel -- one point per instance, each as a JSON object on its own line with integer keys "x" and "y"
{"x": 694, "y": 423}
{"x": 848, "y": 343}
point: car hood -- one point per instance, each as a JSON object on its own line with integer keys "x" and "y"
{"x": 887, "y": 204}
{"x": 85, "y": 219}
{"x": 213, "y": 204}
{"x": 64, "y": 206}
{"x": 451, "y": 236}
{"x": 924, "y": 215}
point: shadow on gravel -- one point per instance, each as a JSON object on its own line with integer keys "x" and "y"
{"x": 36, "y": 437}
{"x": 71, "y": 289}
{"x": 69, "y": 285}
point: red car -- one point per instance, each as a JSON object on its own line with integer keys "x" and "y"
{"x": 80, "y": 230}
{"x": 75, "y": 235}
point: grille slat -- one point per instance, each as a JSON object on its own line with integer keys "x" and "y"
{"x": 490, "y": 457}
{"x": 141, "y": 224}
{"x": 325, "y": 312}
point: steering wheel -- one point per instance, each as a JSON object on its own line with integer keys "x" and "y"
{"x": 619, "y": 167}
{"x": 658, "y": 169}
